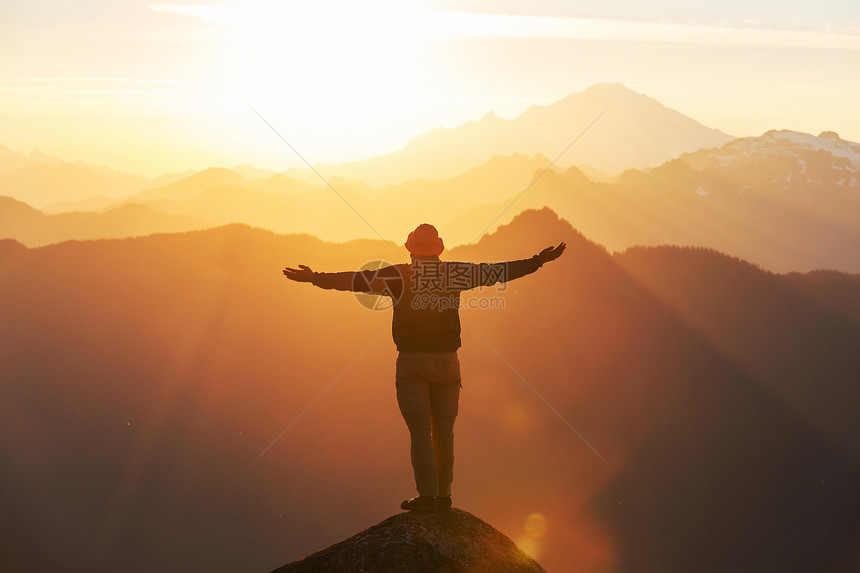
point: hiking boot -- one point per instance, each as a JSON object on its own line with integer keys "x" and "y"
{"x": 443, "y": 503}
{"x": 420, "y": 504}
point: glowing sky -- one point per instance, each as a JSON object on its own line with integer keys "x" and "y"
{"x": 154, "y": 87}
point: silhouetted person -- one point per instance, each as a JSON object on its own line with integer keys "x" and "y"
{"x": 426, "y": 331}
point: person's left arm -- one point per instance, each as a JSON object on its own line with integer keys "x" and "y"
{"x": 489, "y": 274}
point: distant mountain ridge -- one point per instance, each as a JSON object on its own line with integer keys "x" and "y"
{"x": 635, "y": 132}
{"x": 34, "y": 228}
{"x": 191, "y": 186}
{"x": 41, "y": 180}
{"x": 11, "y": 160}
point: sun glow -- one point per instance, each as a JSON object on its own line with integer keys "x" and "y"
{"x": 332, "y": 61}
{"x": 339, "y": 79}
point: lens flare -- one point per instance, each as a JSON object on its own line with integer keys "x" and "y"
{"x": 536, "y": 526}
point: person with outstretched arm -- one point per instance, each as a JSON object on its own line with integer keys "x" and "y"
{"x": 426, "y": 330}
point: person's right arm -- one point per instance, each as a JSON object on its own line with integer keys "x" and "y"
{"x": 372, "y": 281}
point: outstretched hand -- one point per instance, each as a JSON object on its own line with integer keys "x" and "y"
{"x": 303, "y": 274}
{"x": 551, "y": 253}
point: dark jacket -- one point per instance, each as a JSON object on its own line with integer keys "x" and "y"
{"x": 426, "y": 295}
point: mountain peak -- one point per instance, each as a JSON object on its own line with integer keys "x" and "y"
{"x": 610, "y": 88}
{"x": 610, "y": 93}
{"x": 453, "y": 541}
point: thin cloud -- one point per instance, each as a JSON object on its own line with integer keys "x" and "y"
{"x": 219, "y": 14}
{"x": 472, "y": 25}
{"x": 114, "y": 80}
{"x": 509, "y": 26}
{"x": 94, "y": 86}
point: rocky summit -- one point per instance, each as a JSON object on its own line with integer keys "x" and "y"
{"x": 449, "y": 542}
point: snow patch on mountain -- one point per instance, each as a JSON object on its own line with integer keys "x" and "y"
{"x": 827, "y": 141}
{"x": 802, "y": 147}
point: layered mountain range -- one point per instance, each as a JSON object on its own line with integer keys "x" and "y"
{"x": 784, "y": 200}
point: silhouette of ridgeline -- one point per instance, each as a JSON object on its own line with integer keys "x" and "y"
{"x": 450, "y": 542}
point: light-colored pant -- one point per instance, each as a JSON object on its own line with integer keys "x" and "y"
{"x": 428, "y": 393}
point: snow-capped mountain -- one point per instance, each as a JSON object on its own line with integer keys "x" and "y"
{"x": 790, "y": 159}
{"x": 633, "y": 131}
